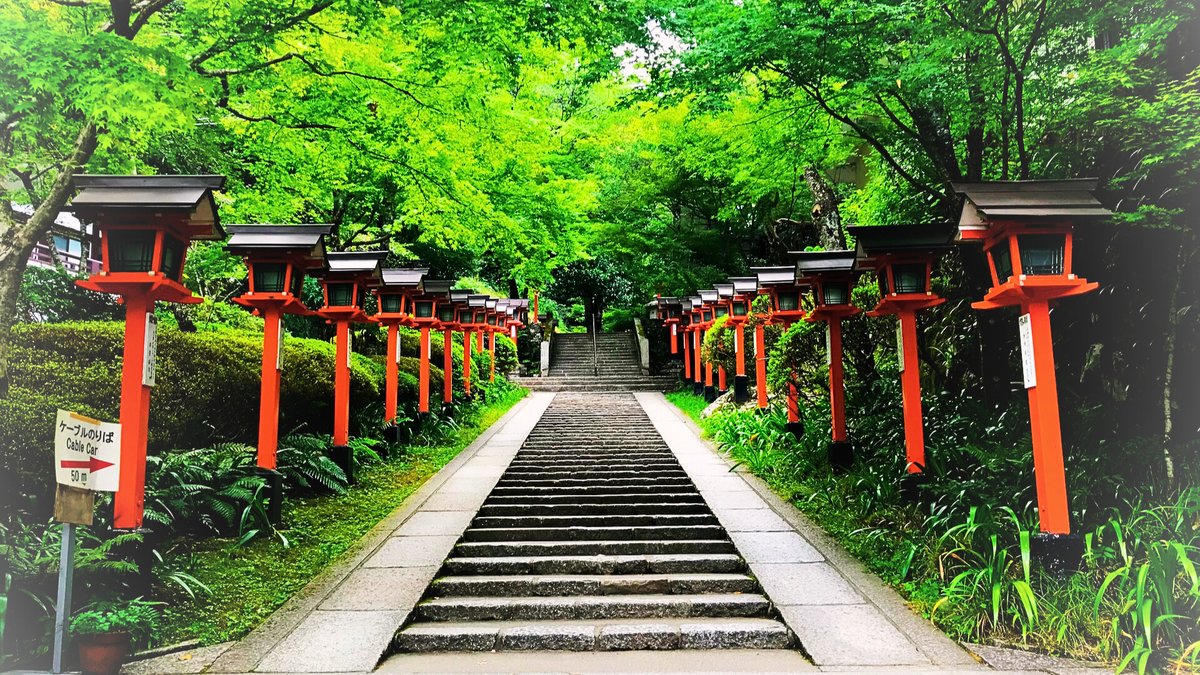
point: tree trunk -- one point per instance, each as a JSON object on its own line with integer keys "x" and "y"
{"x": 825, "y": 212}
{"x": 18, "y": 239}
{"x": 1169, "y": 369}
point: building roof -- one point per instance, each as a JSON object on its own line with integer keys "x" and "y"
{"x": 148, "y": 197}
{"x": 997, "y": 201}
{"x": 822, "y": 262}
{"x": 774, "y": 276}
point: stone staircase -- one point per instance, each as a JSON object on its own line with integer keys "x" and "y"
{"x": 593, "y": 539}
{"x": 614, "y": 360}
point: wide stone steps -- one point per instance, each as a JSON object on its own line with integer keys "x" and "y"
{"x": 648, "y": 563}
{"x": 594, "y": 538}
{"x": 620, "y": 532}
{"x": 607, "y": 635}
{"x": 457, "y": 608}
{"x": 594, "y": 520}
{"x": 591, "y": 509}
{"x": 520, "y": 585}
{"x": 594, "y": 547}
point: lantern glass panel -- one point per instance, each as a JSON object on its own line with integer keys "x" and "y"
{"x": 341, "y": 295}
{"x": 835, "y": 292}
{"x": 1002, "y": 260}
{"x": 739, "y": 308}
{"x": 424, "y": 309}
{"x": 883, "y": 282}
{"x": 130, "y": 250}
{"x": 446, "y": 314}
{"x": 789, "y": 301}
{"x": 297, "y": 282}
{"x": 172, "y": 257}
{"x": 909, "y": 278}
{"x": 722, "y": 310}
{"x": 1041, "y": 253}
{"x": 269, "y": 277}
{"x": 390, "y": 303}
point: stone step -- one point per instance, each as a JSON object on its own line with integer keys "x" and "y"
{"x": 548, "y": 474}
{"x": 638, "y": 532}
{"x": 588, "y": 508}
{"x": 690, "y": 497}
{"x": 595, "y": 548}
{"x": 457, "y": 608}
{"x": 591, "y": 584}
{"x": 593, "y": 482}
{"x": 605, "y": 520}
{"x": 607, "y": 635}
{"x": 647, "y": 563}
{"x": 589, "y": 491}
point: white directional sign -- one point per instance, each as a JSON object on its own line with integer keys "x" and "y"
{"x": 87, "y": 452}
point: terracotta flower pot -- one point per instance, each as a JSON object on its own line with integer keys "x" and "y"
{"x": 102, "y": 654}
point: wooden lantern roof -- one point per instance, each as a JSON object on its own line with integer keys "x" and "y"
{"x": 744, "y": 285}
{"x": 724, "y": 291}
{"x": 1046, "y": 201}
{"x": 403, "y": 278}
{"x": 360, "y": 266}
{"x": 872, "y": 241}
{"x": 182, "y": 201}
{"x": 477, "y": 300}
{"x": 438, "y": 287}
{"x": 784, "y": 275}
{"x": 708, "y": 295}
{"x": 459, "y": 296}
{"x": 821, "y": 263}
{"x": 306, "y": 242}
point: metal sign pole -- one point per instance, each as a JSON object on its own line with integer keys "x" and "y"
{"x": 62, "y": 610}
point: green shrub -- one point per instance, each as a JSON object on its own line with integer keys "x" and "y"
{"x": 50, "y": 294}
{"x": 136, "y": 617}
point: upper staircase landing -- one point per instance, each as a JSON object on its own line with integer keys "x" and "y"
{"x": 610, "y": 362}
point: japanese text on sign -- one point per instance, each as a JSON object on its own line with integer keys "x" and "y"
{"x": 86, "y": 452}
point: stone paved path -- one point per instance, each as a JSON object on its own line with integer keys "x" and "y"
{"x": 594, "y": 539}
{"x": 624, "y": 531}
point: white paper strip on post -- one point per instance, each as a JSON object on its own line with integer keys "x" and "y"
{"x": 1028, "y": 364}
{"x": 150, "y": 350}
{"x": 900, "y": 344}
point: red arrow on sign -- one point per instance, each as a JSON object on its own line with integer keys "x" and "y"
{"x": 92, "y": 464}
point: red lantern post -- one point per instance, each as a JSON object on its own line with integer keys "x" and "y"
{"x": 145, "y": 225}
{"x": 277, "y": 257}
{"x": 1027, "y": 232}
{"x": 478, "y": 310}
{"x": 831, "y": 273}
{"x": 744, "y": 291}
{"x": 708, "y": 316}
{"x": 432, "y": 294}
{"x": 780, "y": 284}
{"x": 903, "y": 256}
{"x": 494, "y": 325}
{"x": 394, "y": 309}
{"x": 697, "y": 325}
{"x": 348, "y": 277}
{"x": 685, "y": 328}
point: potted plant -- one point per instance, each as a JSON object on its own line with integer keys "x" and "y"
{"x": 105, "y": 632}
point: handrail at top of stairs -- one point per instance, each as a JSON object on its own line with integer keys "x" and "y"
{"x": 595, "y": 350}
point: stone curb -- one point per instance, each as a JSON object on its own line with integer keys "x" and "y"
{"x": 933, "y": 643}
{"x": 247, "y": 653}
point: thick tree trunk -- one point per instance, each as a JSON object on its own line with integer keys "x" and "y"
{"x": 825, "y": 212}
{"x": 18, "y": 239}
